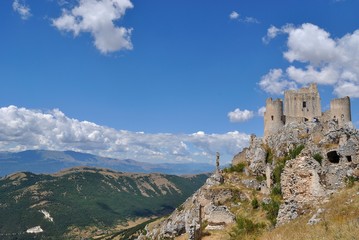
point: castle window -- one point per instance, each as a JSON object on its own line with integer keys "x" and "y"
{"x": 304, "y": 104}
{"x": 272, "y": 117}
{"x": 349, "y": 158}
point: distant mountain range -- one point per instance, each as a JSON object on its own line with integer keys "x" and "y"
{"x": 45, "y": 161}
{"x": 84, "y": 202}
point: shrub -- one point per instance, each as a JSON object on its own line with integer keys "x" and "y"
{"x": 245, "y": 227}
{"x": 269, "y": 155}
{"x": 350, "y": 180}
{"x": 255, "y": 203}
{"x": 261, "y": 178}
{"x": 318, "y": 157}
{"x": 293, "y": 153}
{"x": 272, "y": 209}
{"x": 276, "y": 190}
{"x": 277, "y": 171}
{"x": 236, "y": 168}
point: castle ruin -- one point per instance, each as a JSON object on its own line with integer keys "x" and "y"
{"x": 303, "y": 105}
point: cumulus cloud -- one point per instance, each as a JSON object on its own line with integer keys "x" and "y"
{"x": 261, "y": 111}
{"x": 327, "y": 60}
{"x": 240, "y": 116}
{"x": 234, "y": 15}
{"x": 22, "y": 129}
{"x": 275, "y": 82}
{"x": 22, "y": 9}
{"x": 98, "y": 17}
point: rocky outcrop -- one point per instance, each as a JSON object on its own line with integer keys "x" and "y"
{"x": 204, "y": 205}
{"x": 301, "y": 186}
{"x": 305, "y": 181}
{"x": 256, "y": 156}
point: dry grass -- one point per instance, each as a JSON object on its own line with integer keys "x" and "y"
{"x": 340, "y": 220}
{"x": 330, "y": 146}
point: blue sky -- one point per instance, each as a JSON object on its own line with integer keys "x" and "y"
{"x": 171, "y": 70}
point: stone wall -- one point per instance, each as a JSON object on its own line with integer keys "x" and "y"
{"x": 302, "y": 105}
{"x": 340, "y": 110}
{"x": 273, "y": 116}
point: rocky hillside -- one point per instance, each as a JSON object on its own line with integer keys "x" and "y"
{"x": 86, "y": 202}
{"x": 271, "y": 183}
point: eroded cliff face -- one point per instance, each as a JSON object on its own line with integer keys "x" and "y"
{"x": 206, "y": 205}
{"x": 302, "y": 165}
{"x": 329, "y": 156}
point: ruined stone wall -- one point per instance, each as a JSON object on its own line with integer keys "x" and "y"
{"x": 273, "y": 116}
{"x": 302, "y": 105}
{"x": 340, "y": 110}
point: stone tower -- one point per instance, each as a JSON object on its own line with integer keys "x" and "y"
{"x": 302, "y": 105}
{"x": 340, "y": 110}
{"x": 273, "y": 116}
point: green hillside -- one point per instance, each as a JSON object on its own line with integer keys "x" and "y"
{"x": 85, "y": 197}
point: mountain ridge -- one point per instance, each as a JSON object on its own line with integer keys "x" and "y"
{"x": 49, "y": 161}
{"x": 85, "y": 198}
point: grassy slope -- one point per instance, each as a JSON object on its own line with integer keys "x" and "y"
{"x": 340, "y": 219}
{"x": 84, "y": 199}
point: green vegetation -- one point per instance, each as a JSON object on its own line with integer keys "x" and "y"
{"x": 236, "y": 168}
{"x": 246, "y": 228}
{"x": 280, "y": 163}
{"x": 261, "y": 178}
{"x": 269, "y": 154}
{"x": 338, "y": 221}
{"x": 350, "y": 181}
{"x": 293, "y": 153}
{"x": 272, "y": 209}
{"x": 318, "y": 157}
{"x": 87, "y": 198}
{"x": 255, "y": 203}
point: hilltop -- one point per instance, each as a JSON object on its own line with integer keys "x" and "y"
{"x": 87, "y": 202}
{"x": 289, "y": 174}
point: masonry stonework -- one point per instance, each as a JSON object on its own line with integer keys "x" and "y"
{"x": 273, "y": 116}
{"x": 303, "y": 105}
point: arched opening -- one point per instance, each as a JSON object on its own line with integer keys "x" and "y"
{"x": 272, "y": 117}
{"x": 333, "y": 157}
{"x": 349, "y": 158}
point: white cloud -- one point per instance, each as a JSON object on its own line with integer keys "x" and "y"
{"x": 240, "y": 116}
{"x": 326, "y": 60}
{"x": 273, "y": 32}
{"x": 234, "y": 15}
{"x": 251, "y": 20}
{"x": 261, "y": 111}
{"x": 275, "y": 82}
{"x": 97, "y": 17}
{"x": 22, "y": 129}
{"x": 22, "y": 9}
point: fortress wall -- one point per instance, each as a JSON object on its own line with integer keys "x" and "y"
{"x": 340, "y": 110}
{"x": 302, "y": 105}
{"x": 273, "y": 116}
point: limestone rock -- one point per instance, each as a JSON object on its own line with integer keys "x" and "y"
{"x": 301, "y": 186}
{"x": 203, "y": 204}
